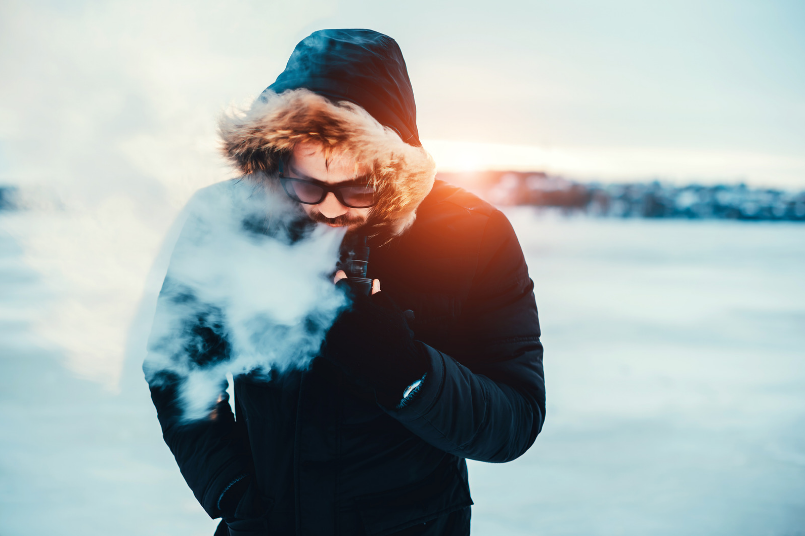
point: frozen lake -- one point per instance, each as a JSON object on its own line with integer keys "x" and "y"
{"x": 675, "y": 365}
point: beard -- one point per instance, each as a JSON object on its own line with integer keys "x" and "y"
{"x": 344, "y": 220}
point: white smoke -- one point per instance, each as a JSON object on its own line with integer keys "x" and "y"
{"x": 248, "y": 289}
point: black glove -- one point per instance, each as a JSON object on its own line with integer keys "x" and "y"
{"x": 372, "y": 343}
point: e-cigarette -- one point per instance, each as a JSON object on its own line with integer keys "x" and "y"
{"x": 355, "y": 262}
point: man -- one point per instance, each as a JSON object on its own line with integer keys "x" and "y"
{"x": 442, "y": 362}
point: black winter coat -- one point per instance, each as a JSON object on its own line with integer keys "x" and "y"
{"x": 326, "y": 459}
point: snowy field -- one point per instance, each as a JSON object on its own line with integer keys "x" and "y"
{"x": 675, "y": 364}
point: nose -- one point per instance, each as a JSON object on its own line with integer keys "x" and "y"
{"x": 331, "y": 207}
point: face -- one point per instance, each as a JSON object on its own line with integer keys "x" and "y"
{"x": 308, "y": 162}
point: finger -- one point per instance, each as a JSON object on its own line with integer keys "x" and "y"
{"x": 339, "y": 275}
{"x": 375, "y": 286}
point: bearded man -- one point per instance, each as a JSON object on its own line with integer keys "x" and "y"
{"x": 440, "y": 363}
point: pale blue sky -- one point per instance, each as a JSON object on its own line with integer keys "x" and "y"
{"x": 687, "y": 90}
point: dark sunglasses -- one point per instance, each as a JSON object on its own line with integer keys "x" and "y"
{"x": 353, "y": 194}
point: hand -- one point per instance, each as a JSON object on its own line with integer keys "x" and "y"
{"x": 340, "y": 274}
{"x": 372, "y": 343}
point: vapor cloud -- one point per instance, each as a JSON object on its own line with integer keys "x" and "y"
{"x": 248, "y": 289}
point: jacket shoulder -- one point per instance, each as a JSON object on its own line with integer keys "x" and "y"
{"x": 445, "y": 196}
{"x": 455, "y": 236}
{"x": 452, "y": 217}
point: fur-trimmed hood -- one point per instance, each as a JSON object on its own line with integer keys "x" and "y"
{"x": 254, "y": 141}
{"x": 348, "y": 91}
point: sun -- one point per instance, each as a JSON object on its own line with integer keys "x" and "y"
{"x": 458, "y": 157}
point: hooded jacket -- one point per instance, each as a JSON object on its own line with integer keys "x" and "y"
{"x": 308, "y": 452}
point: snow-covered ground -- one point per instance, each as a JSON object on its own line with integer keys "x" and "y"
{"x": 675, "y": 363}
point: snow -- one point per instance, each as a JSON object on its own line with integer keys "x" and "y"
{"x": 676, "y": 396}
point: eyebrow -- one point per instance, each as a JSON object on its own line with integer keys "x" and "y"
{"x": 364, "y": 179}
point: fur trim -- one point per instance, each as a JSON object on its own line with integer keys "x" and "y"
{"x": 254, "y": 140}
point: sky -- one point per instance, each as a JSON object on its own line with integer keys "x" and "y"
{"x": 707, "y": 90}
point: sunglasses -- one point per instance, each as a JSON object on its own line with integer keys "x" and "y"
{"x": 354, "y": 194}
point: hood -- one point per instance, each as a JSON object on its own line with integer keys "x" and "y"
{"x": 349, "y": 91}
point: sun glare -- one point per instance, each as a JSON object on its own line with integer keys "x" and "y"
{"x": 465, "y": 160}
{"x": 618, "y": 163}
{"x": 459, "y": 156}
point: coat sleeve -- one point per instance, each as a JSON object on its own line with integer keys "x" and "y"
{"x": 212, "y": 454}
{"x": 188, "y": 334}
{"x": 487, "y": 404}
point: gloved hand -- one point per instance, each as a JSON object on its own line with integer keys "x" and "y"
{"x": 372, "y": 343}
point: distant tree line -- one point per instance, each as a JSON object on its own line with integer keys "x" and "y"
{"x": 636, "y": 200}
{"x": 7, "y": 197}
